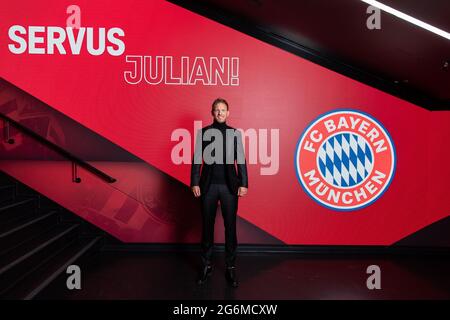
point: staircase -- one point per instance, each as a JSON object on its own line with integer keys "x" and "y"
{"x": 38, "y": 240}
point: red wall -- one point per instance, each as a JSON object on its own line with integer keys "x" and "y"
{"x": 277, "y": 90}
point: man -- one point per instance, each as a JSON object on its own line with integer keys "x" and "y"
{"x": 218, "y": 152}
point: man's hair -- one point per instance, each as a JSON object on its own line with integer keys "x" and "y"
{"x": 217, "y": 101}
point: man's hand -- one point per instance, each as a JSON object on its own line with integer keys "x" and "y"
{"x": 242, "y": 191}
{"x": 196, "y": 191}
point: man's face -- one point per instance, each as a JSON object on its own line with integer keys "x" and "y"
{"x": 220, "y": 112}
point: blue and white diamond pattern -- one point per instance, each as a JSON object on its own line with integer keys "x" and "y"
{"x": 345, "y": 159}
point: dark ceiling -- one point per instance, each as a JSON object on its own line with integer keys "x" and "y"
{"x": 400, "y": 58}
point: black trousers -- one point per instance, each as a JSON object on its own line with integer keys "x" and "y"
{"x": 229, "y": 206}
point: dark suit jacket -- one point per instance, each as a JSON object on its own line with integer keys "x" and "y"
{"x": 235, "y": 174}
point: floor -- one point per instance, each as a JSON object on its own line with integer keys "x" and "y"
{"x": 275, "y": 276}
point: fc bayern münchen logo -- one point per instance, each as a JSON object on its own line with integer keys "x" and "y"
{"x": 345, "y": 160}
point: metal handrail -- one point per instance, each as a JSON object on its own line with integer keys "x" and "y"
{"x": 75, "y": 160}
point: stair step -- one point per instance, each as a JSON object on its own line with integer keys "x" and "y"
{"x": 18, "y": 198}
{"x": 15, "y": 233}
{"x": 24, "y": 259}
{"x": 7, "y": 193}
{"x": 18, "y": 210}
{"x": 43, "y": 276}
{"x": 5, "y": 179}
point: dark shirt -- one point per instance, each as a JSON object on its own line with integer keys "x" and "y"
{"x": 218, "y": 170}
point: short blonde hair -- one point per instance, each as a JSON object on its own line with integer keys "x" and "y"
{"x": 217, "y": 101}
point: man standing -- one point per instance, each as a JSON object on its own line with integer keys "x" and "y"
{"x": 218, "y": 151}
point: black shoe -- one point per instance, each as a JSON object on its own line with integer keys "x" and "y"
{"x": 204, "y": 274}
{"x": 230, "y": 275}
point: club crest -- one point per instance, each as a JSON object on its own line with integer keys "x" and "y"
{"x": 345, "y": 160}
